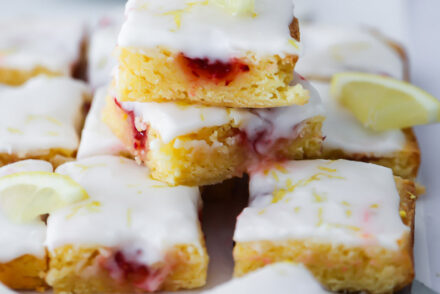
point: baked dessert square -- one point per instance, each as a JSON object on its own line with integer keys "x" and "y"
{"x": 96, "y": 137}
{"x": 133, "y": 234}
{"x": 199, "y": 52}
{"x": 30, "y": 47}
{"x": 23, "y": 260}
{"x": 331, "y": 49}
{"x": 41, "y": 119}
{"x": 350, "y": 223}
{"x": 346, "y": 137}
{"x": 280, "y": 278}
{"x": 193, "y": 144}
{"x": 102, "y": 53}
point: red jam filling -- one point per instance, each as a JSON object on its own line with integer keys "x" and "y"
{"x": 140, "y": 137}
{"x": 141, "y": 276}
{"x": 214, "y": 71}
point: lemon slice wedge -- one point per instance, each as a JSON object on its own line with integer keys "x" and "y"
{"x": 27, "y": 195}
{"x": 383, "y": 103}
{"x": 237, "y": 7}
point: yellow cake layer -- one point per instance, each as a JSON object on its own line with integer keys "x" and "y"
{"x": 24, "y": 273}
{"x": 338, "y": 267}
{"x": 55, "y": 156}
{"x": 76, "y": 269}
{"x": 404, "y": 163}
{"x": 209, "y": 156}
{"x": 16, "y": 77}
{"x": 160, "y": 76}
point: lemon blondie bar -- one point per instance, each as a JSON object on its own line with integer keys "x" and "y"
{"x": 40, "y": 46}
{"x": 346, "y": 137}
{"x": 280, "y": 278}
{"x": 133, "y": 234}
{"x": 193, "y": 144}
{"x": 41, "y": 119}
{"x": 199, "y": 52}
{"x": 350, "y": 223}
{"x": 23, "y": 260}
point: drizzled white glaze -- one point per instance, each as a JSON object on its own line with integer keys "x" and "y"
{"x": 20, "y": 239}
{"x": 203, "y": 30}
{"x": 97, "y": 138}
{"x": 127, "y": 210}
{"x": 53, "y": 44}
{"x": 42, "y": 114}
{"x": 279, "y": 278}
{"x": 338, "y": 202}
{"x": 343, "y": 131}
{"x": 171, "y": 120}
{"x": 102, "y": 52}
{"x": 332, "y": 49}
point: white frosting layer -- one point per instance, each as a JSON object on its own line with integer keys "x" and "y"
{"x": 171, "y": 120}
{"x": 5, "y": 290}
{"x": 53, "y": 44}
{"x": 127, "y": 210}
{"x": 343, "y": 131}
{"x": 333, "y": 49}
{"x": 97, "y": 138}
{"x": 337, "y": 202}
{"x": 279, "y": 278}
{"x": 203, "y": 30}
{"x": 20, "y": 239}
{"x": 42, "y": 114}
{"x": 102, "y": 52}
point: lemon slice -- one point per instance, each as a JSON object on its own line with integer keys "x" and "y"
{"x": 237, "y": 7}
{"x": 27, "y": 195}
{"x": 383, "y": 103}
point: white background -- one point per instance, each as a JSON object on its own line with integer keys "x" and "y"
{"x": 412, "y": 22}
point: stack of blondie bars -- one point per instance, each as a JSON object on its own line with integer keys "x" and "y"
{"x": 202, "y": 92}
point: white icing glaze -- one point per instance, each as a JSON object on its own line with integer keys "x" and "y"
{"x": 102, "y": 52}
{"x": 343, "y": 131}
{"x": 53, "y": 44}
{"x": 5, "y": 290}
{"x": 332, "y": 49}
{"x": 171, "y": 120}
{"x": 42, "y": 114}
{"x": 279, "y": 278}
{"x": 20, "y": 239}
{"x": 337, "y": 202}
{"x": 134, "y": 211}
{"x": 97, "y": 138}
{"x": 208, "y": 31}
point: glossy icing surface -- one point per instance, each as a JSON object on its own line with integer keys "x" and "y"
{"x": 332, "y": 49}
{"x": 129, "y": 211}
{"x": 43, "y": 114}
{"x": 97, "y": 138}
{"x": 20, "y": 239}
{"x": 53, "y": 44}
{"x": 201, "y": 29}
{"x": 338, "y": 202}
{"x": 280, "y": 278}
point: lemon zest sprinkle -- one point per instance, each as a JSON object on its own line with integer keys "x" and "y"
{"x": 293, "y": 43}
{"x": 261, "y": 212}
{"x": 320, "y": 220}
{"x": 327, "y": 169}
{"x": 90, "y": 207}
{"x": 275, "y": 176}
{"x": 402, "y": 213}
{"x": 84, "y": 167}
{"x": 15, "y": 131}
{"x": 297, "y": 209}
{"x": 348, "y": 213}
{"x": 278, "y": 195}
{"x": 345, "y": 203}
{"x": 318, "y": 198}
{"x": 374, "y": 205}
